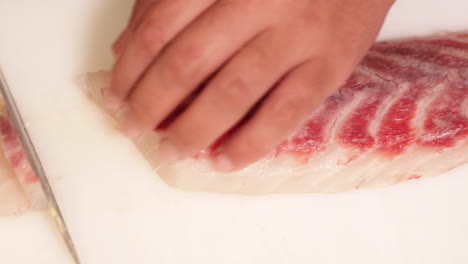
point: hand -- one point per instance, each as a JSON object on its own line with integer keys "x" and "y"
{"x": 291, "y": 54}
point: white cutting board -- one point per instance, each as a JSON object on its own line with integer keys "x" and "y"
{"x": 118, "y": 211}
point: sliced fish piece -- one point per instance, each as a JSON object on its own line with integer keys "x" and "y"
{"x": 13, "y": 201}
{"x": 16, "y": 164}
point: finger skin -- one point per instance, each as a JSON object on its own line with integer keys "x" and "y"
{"x": 189, "y": 60}
{"x": 140, "y": 8}
{"x": 234, "y": 91}
{"x": 162, "y": 23}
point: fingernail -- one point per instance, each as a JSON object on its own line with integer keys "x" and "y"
{"x": 223, "y": 163}
{"x": 131, "y": 126}
{"x": 168, "y": 151}
{"x": 111, "y": 101}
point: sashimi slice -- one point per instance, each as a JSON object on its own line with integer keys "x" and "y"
{"x": 402, "y": 115}
{"x": 16, "y": 164}
{"x": 13, "y": 201}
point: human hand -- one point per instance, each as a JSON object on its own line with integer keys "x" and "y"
{"x": 290, "y": 54}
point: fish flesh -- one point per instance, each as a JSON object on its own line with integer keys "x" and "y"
{"x": 20, "y": 188}
{"x": 13, "y": 200}
{"x": 402, "y": 115}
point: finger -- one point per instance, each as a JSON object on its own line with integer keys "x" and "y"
{"x": 187, "y": 62}
{"x": 141, "y": 6}
{"x": 232, "y": 93}
{"x": 160, "y": 25}
{"x": 285, "y": 109}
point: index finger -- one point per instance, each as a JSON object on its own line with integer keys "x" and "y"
{"x": 139, "y": 9}
{"x": 159, "y": 26}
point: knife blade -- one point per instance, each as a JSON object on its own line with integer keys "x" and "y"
{"x": 36, "y": 165}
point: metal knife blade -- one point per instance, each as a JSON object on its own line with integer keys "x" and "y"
{"x": 36, "y": 164}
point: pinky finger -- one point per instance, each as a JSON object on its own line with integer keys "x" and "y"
{"x": 284, "y": 110}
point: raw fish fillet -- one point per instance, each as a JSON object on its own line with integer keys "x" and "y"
{"x": 402, "y": 115}
{"x": 20, "y": 188}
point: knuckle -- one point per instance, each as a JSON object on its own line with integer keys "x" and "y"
{"x": 142, "y": 111}
{"x": 259, "y": 55}
{"x": 151, "y": 35}
{"x": 182, "y": 65}
{"x": 290, "y": 107}
{"x": 236, "y": 92}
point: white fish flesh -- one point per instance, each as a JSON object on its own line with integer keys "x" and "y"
{"x": 402, "y": 115}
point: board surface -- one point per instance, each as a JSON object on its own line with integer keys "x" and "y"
{"x": 118, "y": 211}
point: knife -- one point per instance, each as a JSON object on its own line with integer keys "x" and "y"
{"x": 36, "y": 165}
